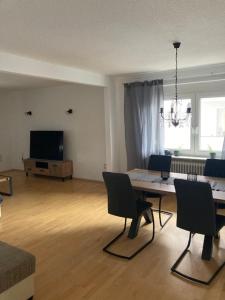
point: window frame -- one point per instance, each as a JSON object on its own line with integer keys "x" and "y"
{"x": 195, "y": 150}
{"x": 190, "y": 96}
{"x": 198, "y": 103}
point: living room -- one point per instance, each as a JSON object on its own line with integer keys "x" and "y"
{"x": 74, "y": 67}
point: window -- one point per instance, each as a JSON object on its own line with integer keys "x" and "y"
{"x": 205, "y": 130}
{"x": 212, "y": 123}
{"x": 178, "y": 138}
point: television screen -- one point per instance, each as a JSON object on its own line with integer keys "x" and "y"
{"x": 46, "y": 145}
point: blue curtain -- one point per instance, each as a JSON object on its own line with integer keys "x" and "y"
{"x": 143, "y": 126}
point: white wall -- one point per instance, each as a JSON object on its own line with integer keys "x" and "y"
{"x": 10, "y": 124}
{"x": 96, "y": 129}
{"x": 194, "y": 80}
{"x": 84, "y": 129}
{"x": 5, "y": 135}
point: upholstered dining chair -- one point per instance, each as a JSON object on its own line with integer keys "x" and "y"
{"x": 159, "y": 163}
{"x": 125, "y": 202}
{"x": 215, "y": 168}
{"x": 196, "y": 213}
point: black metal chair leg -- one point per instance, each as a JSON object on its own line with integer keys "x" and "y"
{"x": 115, "y": 239}
{"x": 176, "y": 264}
{"x": 160, "y": 211}
{"x": 136, "y": 252}
{"x": 173, "y": 269}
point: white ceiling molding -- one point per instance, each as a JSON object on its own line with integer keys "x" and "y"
{"x": 9, "y": 81}
{"x": 35, "y": 68}
{"x": 206, "y": 73}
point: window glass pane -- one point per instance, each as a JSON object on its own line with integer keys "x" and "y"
{"x": 179, "y": 137}
{"x": 212, "y": 123}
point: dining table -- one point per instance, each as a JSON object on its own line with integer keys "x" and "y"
{"x": 151, "y": 181}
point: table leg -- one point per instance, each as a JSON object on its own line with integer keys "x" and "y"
{"x": 207, "y": 247}
{"x": 134, "y": 227}
{"x": 10, "y": 186}
{"x": 148, "y": 217}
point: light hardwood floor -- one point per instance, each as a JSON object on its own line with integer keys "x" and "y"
{"x": 65, "y": 225}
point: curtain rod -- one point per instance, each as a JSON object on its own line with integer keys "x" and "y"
{"x": 190, "y": 80}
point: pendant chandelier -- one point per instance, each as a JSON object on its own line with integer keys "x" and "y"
{"x": 175, "y": 116}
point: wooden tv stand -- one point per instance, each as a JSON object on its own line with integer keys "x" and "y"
{"x": 54, "y": 168}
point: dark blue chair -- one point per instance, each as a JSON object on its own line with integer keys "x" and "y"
{"x": 196, "y": 213}
{"x": 124, "y": 202}
{"x": 159, "y": 163}
{"x": 215, "y": 168}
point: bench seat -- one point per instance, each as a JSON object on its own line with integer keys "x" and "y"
{"x": 16, "y": 273}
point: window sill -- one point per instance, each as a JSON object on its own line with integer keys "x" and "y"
{"x": 180, "y": 157}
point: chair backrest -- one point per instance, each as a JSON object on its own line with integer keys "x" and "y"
{"x": 215, "y": 168}
{"x": 195, "y": 207}
{"x": 122, "y": 200}
{"x": 159, "y": 163}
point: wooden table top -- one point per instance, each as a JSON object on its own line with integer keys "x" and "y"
{"x": 163, "y": 188}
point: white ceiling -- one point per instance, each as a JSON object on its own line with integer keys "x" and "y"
{"x": 115, "y": 36}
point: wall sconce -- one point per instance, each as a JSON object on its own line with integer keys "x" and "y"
{"x": 69, "y": 111}
{"x": 28, "y": 113}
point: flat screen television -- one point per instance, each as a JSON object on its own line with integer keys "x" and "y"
{"x": 46, "y": 145}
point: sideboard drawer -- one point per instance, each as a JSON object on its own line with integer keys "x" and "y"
{"x": 40, "y": 171}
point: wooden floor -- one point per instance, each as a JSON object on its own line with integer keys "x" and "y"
{"x": 65, "y": 225}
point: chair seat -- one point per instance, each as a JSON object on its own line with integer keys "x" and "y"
{"x": 220, "y": 222}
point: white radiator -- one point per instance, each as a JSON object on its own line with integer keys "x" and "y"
{"x": 181, "y": 165}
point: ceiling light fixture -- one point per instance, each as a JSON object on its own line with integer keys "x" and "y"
{"x": 175, "y": 116}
